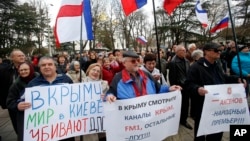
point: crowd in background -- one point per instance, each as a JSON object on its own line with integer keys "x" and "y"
{"x": 176, "y": 66}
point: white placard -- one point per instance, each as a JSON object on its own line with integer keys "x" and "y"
{"x": 63, "y": 111}
{"x": 224, "y": 105}
{"x": 146, "y": 118}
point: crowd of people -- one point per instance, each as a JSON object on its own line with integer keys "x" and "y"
{"x": 128, "y": 74}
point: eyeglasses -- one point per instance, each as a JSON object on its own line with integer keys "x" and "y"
{"x": 133, "y": 61}
{"x": 215, "y": 50}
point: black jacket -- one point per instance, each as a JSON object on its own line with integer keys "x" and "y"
{"x": 15, "y": 92}
{"x": 8, "y": 73}
{"x": 178, "y": 71}
{"x": 202, "y": 73}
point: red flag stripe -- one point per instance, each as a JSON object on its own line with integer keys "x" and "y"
{"x": 170, "y": 5}
{"x": 223, "y": 24}
{"x": 128, "y": 6}
{"x": 67, "y": 11}
{"x": 70, "y": 11}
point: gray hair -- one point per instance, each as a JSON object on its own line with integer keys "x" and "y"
{"x": 46, "y": 58}
{"x": 191, "y": 45}
{"x": 196, "y": 54}
{"x": 124, "y": 59}
{"x": 76, "y": 62}
{"x": 14, "y": 51}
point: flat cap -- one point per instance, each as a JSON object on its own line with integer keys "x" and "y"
{"x": 130, "y": 53}
{"x": 211, "y": 45}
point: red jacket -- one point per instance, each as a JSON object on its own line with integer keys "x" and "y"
{"x": 109, "y": 73}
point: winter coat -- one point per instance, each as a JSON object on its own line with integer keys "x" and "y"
{"x": 14, "y": 97}
{"x": 8, "y": 74}
{"x": 203, "y": 73}
{"x": 178, "y": 69}
{"x": 75, "y": 75}
{"x": 245, "y": 64}
{"x": 122, "y": 85}
{"x": 109, "y": 73}
{"x": 41, "y": 81}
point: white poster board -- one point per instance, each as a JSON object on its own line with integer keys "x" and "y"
{"x": 63, "y": 111}
{"x": 146, "y": 118}
{"x": 224, "y": 105}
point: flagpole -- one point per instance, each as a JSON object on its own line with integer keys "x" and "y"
{"x": 81, "y": 50}
{"x": 235, "y": 39}
{"x": 81, "y": 46}
{"x": 157, "y": 40}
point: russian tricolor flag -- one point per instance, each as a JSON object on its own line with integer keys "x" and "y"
{"x": 130, "y": 6}
{"x": 141, "y": 40}
{"x": 71, "y": 15}
{"x": 201, "y": 14}
{"x": 222, "y": 24}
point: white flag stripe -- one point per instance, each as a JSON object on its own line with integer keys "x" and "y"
{"x": 201, "y": 14}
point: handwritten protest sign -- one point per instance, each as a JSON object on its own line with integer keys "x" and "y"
{"x": 146, "y": 118}
{"x": 63, "y": 111}
{"x": 224, "y": 105}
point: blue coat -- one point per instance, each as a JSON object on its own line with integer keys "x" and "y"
{"x": 245, "y": 64}
{"x": 38, "y": 81}
{"x": 122, "y": 85}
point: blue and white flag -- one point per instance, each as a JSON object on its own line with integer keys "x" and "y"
{"x": 201, "y": 14}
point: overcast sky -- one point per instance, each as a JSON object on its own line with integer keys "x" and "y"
{"x": 54, "y": 6}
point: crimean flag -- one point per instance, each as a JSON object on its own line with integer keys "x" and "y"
{"x": 170, "y": 5}
{"x": 221, "y": 25}
{"x": 142, "y": 40}
{"x": 73, "y": 16}
{"x": 201, "y": 14}
{"x": 130, "y": 6}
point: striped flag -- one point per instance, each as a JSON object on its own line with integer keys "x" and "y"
{"x": 130, "y": 6}
{"x": 71, "y": 15}
{"x": 221, "y": 25}
{"x": 170, "y": 5}
{"x": 201, "y": 14}
{"x": 142, "y": 40}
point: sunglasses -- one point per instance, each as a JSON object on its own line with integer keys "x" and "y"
{"x": 215, "y": 50}
{"x": 133, "y": 61}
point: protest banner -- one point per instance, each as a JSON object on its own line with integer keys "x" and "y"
{"x": 63, "y": 111}
{"x": 145, "y": 118}
{"x": 224, "y": 105}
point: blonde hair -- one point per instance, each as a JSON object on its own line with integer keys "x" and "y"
{"x": 92, "y": 66}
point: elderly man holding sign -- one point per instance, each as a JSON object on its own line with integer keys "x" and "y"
{"x": 206, "y": 71}
{"x": 133, "y": 84}
{"x": 132, "y": 78}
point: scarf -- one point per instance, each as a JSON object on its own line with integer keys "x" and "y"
{"x": 126, "y": 77}
{"x": 31, "y": 74}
